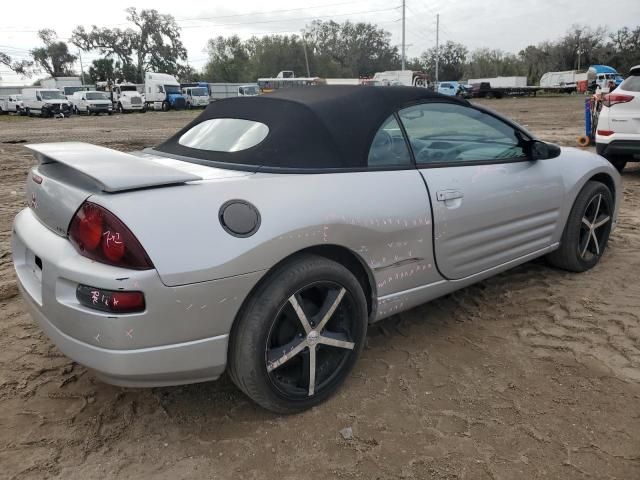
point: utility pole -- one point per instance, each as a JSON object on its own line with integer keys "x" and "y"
{"x": 403, "y": 27}
{"x": 306, "y": 59}
{"x": 81, "y": 67}
{"x": 437, "y": 47}
{"x": 579, "y": 53}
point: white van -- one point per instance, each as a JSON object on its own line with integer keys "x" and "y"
{"x": 45, "y": 102}
{"x": 91, "y": 102}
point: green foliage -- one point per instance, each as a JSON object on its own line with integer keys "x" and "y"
{"x": 333, "y": 50}
{"x": 152, "y": 44}
{"x": 108, "y": 69}
{"x": 54, "y": 57}
{"x": 452, "y": 60}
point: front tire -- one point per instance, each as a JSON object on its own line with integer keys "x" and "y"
{"x": 587, "y": 230}
{"x": 298, "y": 335}
{"x": 165, "y": 106}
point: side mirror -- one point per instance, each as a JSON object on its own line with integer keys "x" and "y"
{"x": 39, "y": 98}
{"x": 539, "y": 150}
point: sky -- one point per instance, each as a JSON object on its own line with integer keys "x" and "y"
{"x": 508, "y": 25}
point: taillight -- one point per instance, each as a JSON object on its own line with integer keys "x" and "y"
{"x": 613, "y": 98}
{"x": 605, "y": 133}
{"x": 110, "y": 300}
{"x": 99, "y": 235}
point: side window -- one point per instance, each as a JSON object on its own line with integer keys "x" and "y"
{"x": 446, "y": 132}
{"x": 388, "y": 148}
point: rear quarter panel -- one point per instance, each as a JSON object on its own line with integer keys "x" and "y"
{"x": 382, "y": 217}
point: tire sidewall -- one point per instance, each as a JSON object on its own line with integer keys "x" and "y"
{"x": 575, "y": 221}
{"x": 249, "y": 335}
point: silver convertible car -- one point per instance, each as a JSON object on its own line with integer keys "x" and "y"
{"x": 267, "y": 234}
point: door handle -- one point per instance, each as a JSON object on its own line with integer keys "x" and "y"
{"x": 444, "y": 195}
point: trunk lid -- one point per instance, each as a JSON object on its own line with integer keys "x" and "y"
{"x": 69, "y": 173}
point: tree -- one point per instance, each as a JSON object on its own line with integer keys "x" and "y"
{"x": 22, "y": 67}
{"x": 153, "y": 43}
{"x": 451, "y": 64}
{"x": 351, "y": 49}
{"x": 102, "y": 70}
{"x": 228, "y": 60}
{"x": 493, "y": 63}
{"x": 54, "y": 57}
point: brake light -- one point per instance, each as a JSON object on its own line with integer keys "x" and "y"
{"x": 99, "y": 235}
{"x": 605, "y": 133}
{"x": 611, "y": 99}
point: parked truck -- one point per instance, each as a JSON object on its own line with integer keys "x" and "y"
{"x": 163, "y": 92}
{"x": 570, "y": 81}
{"x": 407, "y": 78}
{"x": 227, "y": 90}
{"x": 124, "y": 96}
{"x": 11, "y": 104}
{"x": 196, "y": 94}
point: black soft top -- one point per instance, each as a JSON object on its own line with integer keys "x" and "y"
{"x": 310, "y": 128}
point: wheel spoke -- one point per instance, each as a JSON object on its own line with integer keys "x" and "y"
{"x": 586, "y": 222}
{"x": 329, "y": 307}
{"x": 338, "y": 340}
{"x": 301, "y": 315}
{"x": 586, "y": 244}
{"x": 312, "y": 370}
{"x": 595, "y": 216}
{"x": 277, "y": 357}
{"x": 601, "y": 222}
{"x": 595, "y": 241}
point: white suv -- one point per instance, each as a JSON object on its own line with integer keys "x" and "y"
{"x": 618, "y": 131}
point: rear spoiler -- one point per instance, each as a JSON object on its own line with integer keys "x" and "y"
{"x": 112, "y": 170}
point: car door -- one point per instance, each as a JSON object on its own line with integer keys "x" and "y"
{"x": 401, "y": 257}
{"x": 491, "y": 203}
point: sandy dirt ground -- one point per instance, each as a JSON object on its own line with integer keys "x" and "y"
{"x": 532, "y": 374}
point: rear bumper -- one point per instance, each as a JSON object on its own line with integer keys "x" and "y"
{"x": 188, "y": 362}
{"x": 618, "y": 147}
{"x": 181, "y": 336}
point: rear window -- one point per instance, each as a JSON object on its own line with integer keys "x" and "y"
{"x": 224, "y": 135}
{"x": 631, "y": 84}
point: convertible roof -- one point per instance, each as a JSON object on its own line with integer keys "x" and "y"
{"x": 310, "y": 128}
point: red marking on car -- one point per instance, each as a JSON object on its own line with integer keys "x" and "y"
{"x": 36, "y": 178}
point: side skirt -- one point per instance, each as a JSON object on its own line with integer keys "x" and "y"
{"x": 394, "y": 303}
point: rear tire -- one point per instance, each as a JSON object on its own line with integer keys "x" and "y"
{"x": 582, "y": 246}
{"x": 269, "y": 323}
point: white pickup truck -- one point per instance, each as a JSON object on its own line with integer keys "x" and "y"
{"x": 11, "y": 104}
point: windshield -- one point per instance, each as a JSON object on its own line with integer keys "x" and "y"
{"x": 225, "y": 135}
{"x": 172, "y": 89}
{"x": 128, "y": 88}
{"x": 51, "y": 95}
{"x": 199, "y": 92}
{"x": 97, "y": 96}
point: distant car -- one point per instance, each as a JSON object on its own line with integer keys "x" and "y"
{"x": 91, "y": 102}
{"x": 618, "y": 131}
{"x": 448, "y": 88}
{"x": 266, "y": 235}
